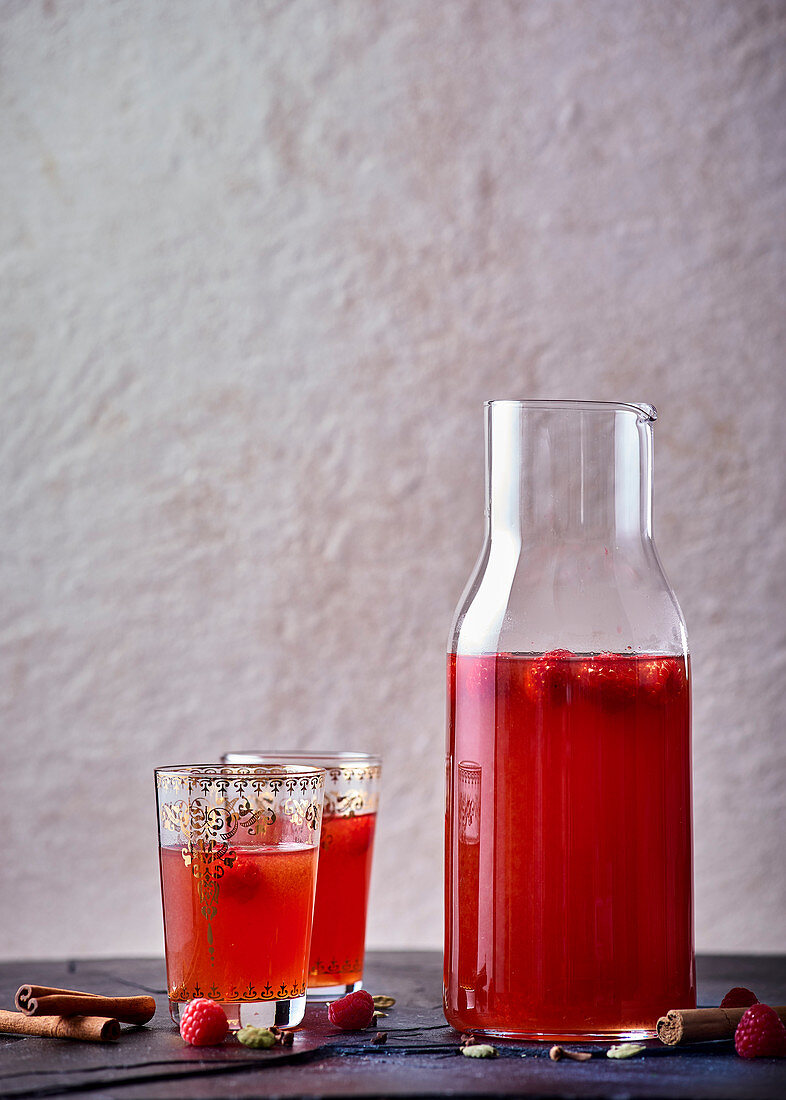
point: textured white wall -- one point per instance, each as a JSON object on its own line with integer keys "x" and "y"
{"x": 261, "y": 264}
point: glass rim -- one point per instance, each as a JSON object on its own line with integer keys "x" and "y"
{"x": 326, "y": 759}
{"x": 241, "y": 770}
{"x": 642, "y": 409}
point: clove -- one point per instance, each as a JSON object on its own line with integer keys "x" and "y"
{"x": 557, "y": 1053}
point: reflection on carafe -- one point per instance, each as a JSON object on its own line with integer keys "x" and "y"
{"x": 469, "y": 775}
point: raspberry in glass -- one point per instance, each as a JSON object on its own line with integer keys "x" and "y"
{"x": 551, "y": 674}
{"x": 611, "y": 678}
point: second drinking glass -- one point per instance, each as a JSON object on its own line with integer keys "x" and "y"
{"x": 338, "y": 936}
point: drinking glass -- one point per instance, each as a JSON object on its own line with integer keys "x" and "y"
{"x": 350, "y": 813}
{"x": 238, "y": 849}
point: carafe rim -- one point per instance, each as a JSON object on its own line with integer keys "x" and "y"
{"x": 642, "y": 409}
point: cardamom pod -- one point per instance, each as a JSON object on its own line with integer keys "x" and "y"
{"x": 625, "y": 1050}
{"x": 260, "y": 1038}
{"x": 479, "y": 1050}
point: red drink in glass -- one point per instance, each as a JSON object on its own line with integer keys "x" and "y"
{"x": 339, "y": 933}
{"x": 238, "y": 854}
{"x": 349, "y": 818}
{"x": 257, "y": 942}
{"x": 569, "y": 828}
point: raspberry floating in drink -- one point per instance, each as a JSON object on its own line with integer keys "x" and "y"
{"x": 611, "y": 679}
{"x": 550, "y": 675}
{"x": 243, "y": 879}
{"x": 655, "y": 675}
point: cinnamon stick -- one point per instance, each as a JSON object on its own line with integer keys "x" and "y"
{"x": 94, "y": 1029}
{"x": 26, "y": 993}
{"x": 702, "y": 1025}
{"x": 41, "y": 1000}
{"x": 127, "y": 1010}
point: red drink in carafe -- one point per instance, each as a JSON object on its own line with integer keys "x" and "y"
{"x": 569, "y": 880}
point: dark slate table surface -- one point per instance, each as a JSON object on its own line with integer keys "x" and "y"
{"x": 420, "y": 1058}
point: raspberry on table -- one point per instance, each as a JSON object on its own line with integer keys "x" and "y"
{"x": 203, "y": 1023}
{"x": 760, "y": 1033}
{"x": 353, "y": 1012}
{"x": 739, "y": 997}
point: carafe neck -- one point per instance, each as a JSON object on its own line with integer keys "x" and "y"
{"x": 560, "y": 472}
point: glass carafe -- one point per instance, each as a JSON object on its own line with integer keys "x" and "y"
{"x": 568, "y": 904}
